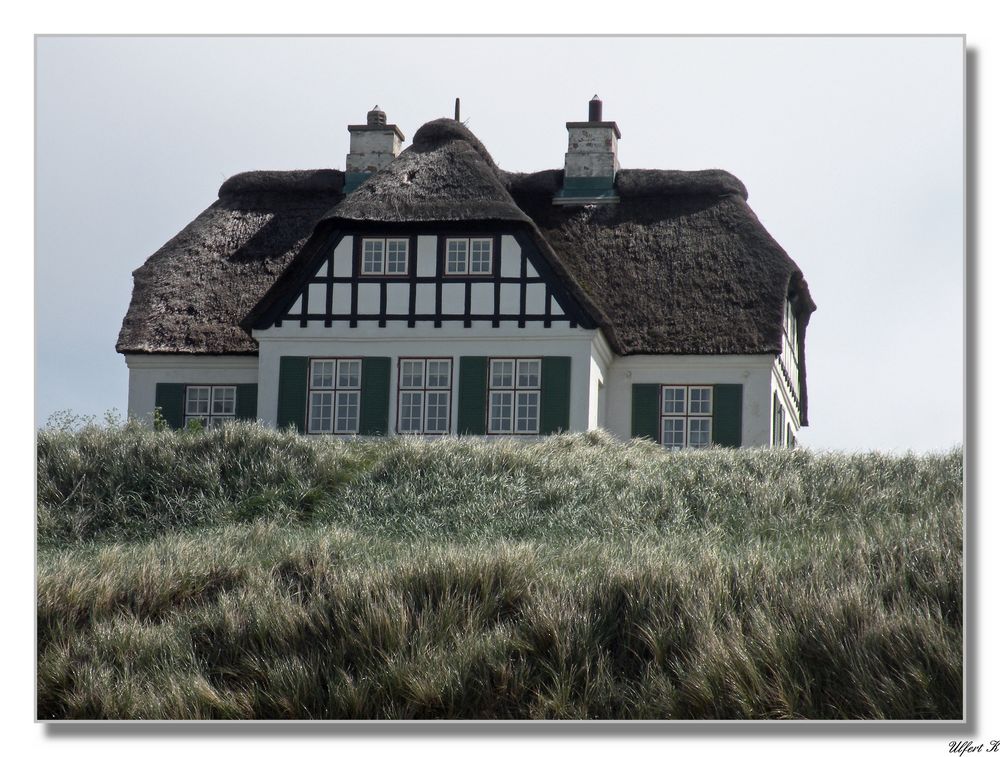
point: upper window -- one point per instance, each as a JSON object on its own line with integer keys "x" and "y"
{"x": 791, "y": 326}
{"x": 515, "y": 395}
{"x": 334, "y": 396}
{"x": 384, "y": 257}
{"x": 685, "y": 416}
{"x": 210, "y": 405}
{"x": 469, "y": 257}
{"x": 424, "y": 396}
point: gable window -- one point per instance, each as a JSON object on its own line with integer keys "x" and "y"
{"x": 685, "y": 416}
{"x": 469, "y": 257}
{"x": 334, "y": 396}
{"x": 384, "y": 257}
{"x": 210, "y": 405}
{"x": 424, "y": 396}
{"x": 515, "y": 395}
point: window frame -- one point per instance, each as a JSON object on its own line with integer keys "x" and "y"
{"x": 208, "y": 417}
{"x": 424, "y": 390}
{"x": 688, "y": 415}
{"x": 384, "y": 270}
{"x": 515, "y": 392}
{"x": 468, "y": 272}
{"x": 334, "y": 390}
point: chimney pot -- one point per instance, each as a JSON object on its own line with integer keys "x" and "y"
{"x": 376, "y": 117}
{"x": 595, "y": 110}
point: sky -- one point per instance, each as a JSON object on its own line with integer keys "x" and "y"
{"x": 851, "y": 149}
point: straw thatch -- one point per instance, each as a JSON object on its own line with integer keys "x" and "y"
{"x": 190, "y": 295}
{"x": 680, "y": 265}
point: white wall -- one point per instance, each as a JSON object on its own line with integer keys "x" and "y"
{"x": 754, "y": 372}
{"x": 146, "y": 371}
{"x": 780, "y": 385}
{"x": 452, "y": 340}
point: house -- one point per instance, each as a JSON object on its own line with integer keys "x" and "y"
{"x": 427, "y": 291}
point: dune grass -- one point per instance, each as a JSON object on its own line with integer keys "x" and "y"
{"x": 246, "y": 573}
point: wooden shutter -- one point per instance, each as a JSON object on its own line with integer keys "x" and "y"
{"x": 554, "y": 413}
{"x": 170, "y": 400}
{"x": 646, "y": 411}
{"x": 727, "y": 415}
{"x": 473, "y": 374}
{"x": 246, "y": 402}
{"x": 293, "y": 375}
{"x": 374, "y": 419}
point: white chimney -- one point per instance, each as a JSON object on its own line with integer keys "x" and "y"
{"x": 591, "y": 161}
{"x": 373, "y": 146}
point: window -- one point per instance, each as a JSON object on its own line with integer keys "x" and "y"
{"x": 386, "y": 257}
{"x": 424, "y": 396}
{"x": 469, "y": 257}
{"x": 334, "y": 396}
{"x": 685, "y": 416}
{"x": 211, "y": 405}
{"x": 515, "y": 395}
{"x": 778, "y": 423}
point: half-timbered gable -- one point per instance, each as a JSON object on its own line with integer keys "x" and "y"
{"x": 428, "y": 291}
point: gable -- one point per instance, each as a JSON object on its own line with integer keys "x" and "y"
{"x": 436, "y": 275}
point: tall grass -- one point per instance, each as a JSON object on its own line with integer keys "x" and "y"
{"x": 245, "y": 573}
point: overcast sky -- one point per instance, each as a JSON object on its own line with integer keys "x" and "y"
{"x": 851, "y": 149}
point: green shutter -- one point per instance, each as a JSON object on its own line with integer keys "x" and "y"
{"x": 472, "y": 391}
{"x": 554, "y": 413}
{"x": 292, "y": 377}
{"x": 170, "y": 400}
{"x": 727, "y": 415}
{"x": 374, "y": 396}
{"x": 246, "y": 402}
{"x": 646, "y": 411}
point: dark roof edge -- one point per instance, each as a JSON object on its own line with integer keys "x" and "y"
{"x": 637, "y": 182}
{"x": 315, "y": 181}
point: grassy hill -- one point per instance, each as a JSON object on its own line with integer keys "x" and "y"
{"x": 246, "y": 573}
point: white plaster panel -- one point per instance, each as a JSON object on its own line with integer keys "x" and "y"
{"x": 323, "y": 269}
{"x": 341, "y": 299}
{"x": 317, "y": 299}
{"x": 296, "y": 308}
{"x": 368, "y": 299}
{"x": 453, "y": 299}
{"x": 397, "y": 299}
{"x": 343, "y": 254}
{"x": 426, "y": 255}
{"x": 535, "y": 299}
{"x": 510, "y": 256}
{"x": 425, "y": 299}
{"x": 530, "y": 270}
{"x": 482, "y": 299}
{"x": 510, "y": 299}
{"x": 556, "y": 309}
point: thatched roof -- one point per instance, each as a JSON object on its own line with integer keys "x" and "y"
{"x": 190, "y": 295}
{"x": 445, "y": 175}
{"x": 680, "y": 265}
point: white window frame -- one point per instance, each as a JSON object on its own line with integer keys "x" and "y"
{"x": 211, "y": 418}
{"x": 347, "y": 390}
{"x": 424, "y": 390}
{"x": 688, "y": 415}
{"x": 383, "y": 267}
{"x": 466, "y": 262}
{"x": 517, "y": 395}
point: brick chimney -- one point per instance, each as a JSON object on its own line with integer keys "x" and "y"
{"x": 591, "y": 161}
{"x": 373, "y": 146}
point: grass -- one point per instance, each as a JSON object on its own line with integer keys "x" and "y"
{"x": 246, "y": 573}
